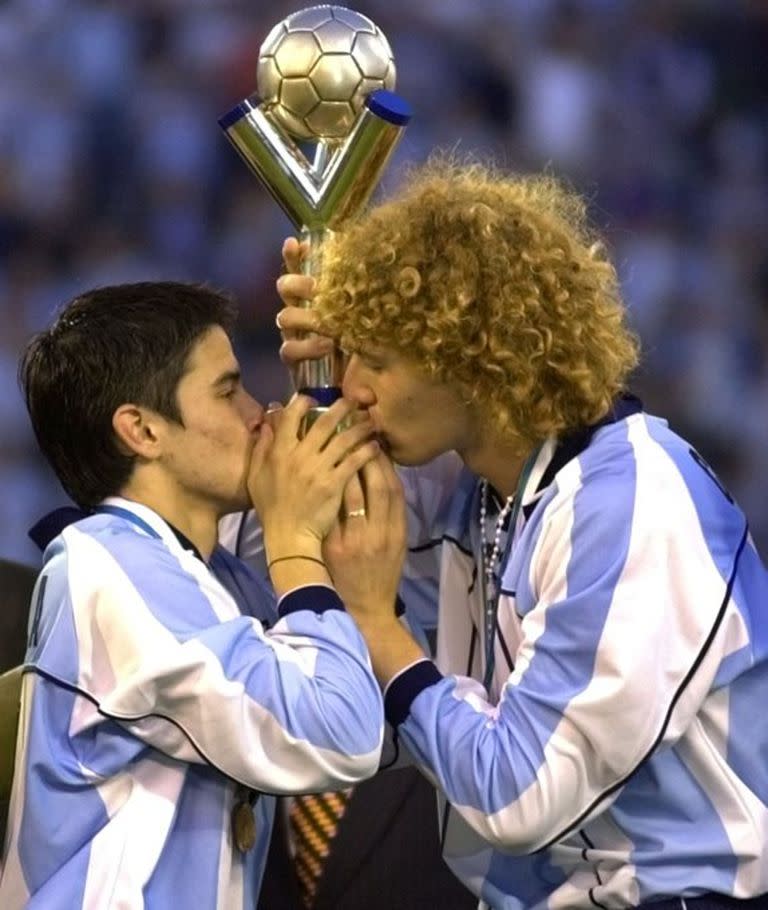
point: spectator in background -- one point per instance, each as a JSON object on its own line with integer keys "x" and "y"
{"x": 112, "y": 169}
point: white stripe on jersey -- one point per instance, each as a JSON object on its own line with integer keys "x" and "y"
{"x": 121, "y": 863}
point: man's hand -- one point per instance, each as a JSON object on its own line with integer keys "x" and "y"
{"x": 364, "y": 553}
{"x": 297, "y": 323}
{"x": 296, "y": 485}
{"x": 366, "y": 548}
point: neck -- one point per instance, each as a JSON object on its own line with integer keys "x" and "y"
{"x": 500, "y": 464}
{"x": 196, "y": 520}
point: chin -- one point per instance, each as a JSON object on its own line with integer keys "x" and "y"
{"x": 241, "y": 503}
{"x": 406, "y": 459}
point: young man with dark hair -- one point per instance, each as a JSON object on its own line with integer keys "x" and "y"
{"x": 593, "y": 719}
{"x": 166, "y": 689}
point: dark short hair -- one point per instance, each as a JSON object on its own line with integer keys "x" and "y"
{"x": 110, "y": 346}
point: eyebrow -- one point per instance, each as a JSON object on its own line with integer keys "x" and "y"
{"x": 226, "y": 378}
{"x": 372, "y": 354}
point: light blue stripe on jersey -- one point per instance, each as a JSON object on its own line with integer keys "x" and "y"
{"x": 747, "y": 748}
{"x": 659, "y": 805}
{"x": 722, "y": 523}
{"x": 70, "y": 807}
{"x": 508, "y": 875}
{"x": 459, "y": 526}
{"x": 752, "y": 607}
{"x": 746, "y": 672}
{"x": 199, "y": 810}
{"x": 52, "y": 630}
{"x": 251, "y": 592}
{"x": 748, "y": 727}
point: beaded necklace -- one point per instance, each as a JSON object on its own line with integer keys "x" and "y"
{"x": 490, "y": 565}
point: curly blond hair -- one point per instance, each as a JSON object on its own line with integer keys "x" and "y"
{"x": 491, "y": 283}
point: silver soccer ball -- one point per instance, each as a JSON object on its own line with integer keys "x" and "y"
{"x": 316, "y": 68}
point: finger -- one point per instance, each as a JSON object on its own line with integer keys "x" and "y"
{"x": 354, "y": 461}
{"x": 390, "y": 475}
{"x": 395, "y": 488}
{"x": 353, "y": 499}
{"x": 376, "y": 491}
{"x": 294, "y": 350}
{"x": 260, "y": 451}
{"x": 295, "y": 290}
{"x": 345, "y": 440}
{"x": 291, "y": 416}
{"x": 273, "y": 414}
{"x": 298, "y": 319}
{"x": 292, "y": 255}
{"x": 327, "y": 424}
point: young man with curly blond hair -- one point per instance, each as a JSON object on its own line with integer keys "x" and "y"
{"x": 593, "y": 717}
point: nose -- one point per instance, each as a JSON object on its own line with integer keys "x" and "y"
{"x": 251, "y": 411}
{"x": 354, "y": 386}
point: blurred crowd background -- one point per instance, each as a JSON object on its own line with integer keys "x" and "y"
{"x": 113, "y": 168}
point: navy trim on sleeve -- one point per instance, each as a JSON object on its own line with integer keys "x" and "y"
{"x": 317, "y": 598}
{"x": 404, "y": 688}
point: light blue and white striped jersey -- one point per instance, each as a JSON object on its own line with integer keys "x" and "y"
{"x": 155, "y": 685}
{"x": 622, "y": 751}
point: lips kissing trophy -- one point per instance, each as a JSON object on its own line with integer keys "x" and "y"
{"x": 325, "y": 78}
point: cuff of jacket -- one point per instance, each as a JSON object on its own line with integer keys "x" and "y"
{"x": 403, "y": 688}
{"x": 317, "y": 598}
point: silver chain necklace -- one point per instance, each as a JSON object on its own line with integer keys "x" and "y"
{"x": 490, "y": 566}
{"x": 490, "y": 563}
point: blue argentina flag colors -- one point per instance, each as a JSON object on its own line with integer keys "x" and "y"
{"x": 621, "y": 752}
{"x": 157, "y": 687}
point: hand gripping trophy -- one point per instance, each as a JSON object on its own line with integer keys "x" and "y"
{"x": 325, "y": 76}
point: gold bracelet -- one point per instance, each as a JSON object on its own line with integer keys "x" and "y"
{"x": 297, "y": 556}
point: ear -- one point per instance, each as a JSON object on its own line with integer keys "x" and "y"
{"x": 138, "y": 431}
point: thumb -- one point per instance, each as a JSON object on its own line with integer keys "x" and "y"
{"x": 273, "y": 414}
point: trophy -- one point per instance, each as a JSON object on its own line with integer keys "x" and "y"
{"x": 324, "y": 83}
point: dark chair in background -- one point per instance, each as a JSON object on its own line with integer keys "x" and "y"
{"x": 16, "y": 584}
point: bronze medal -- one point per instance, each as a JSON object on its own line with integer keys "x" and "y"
{"x": 243, "y": 825}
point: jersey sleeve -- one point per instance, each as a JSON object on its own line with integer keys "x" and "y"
{"x": 156, "y": 644}
{"x": 628, "y": 581}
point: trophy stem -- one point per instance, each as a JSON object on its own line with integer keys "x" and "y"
{"x": 321, "y": 379}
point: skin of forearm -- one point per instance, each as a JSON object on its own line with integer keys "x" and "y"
{"x": 295, "y": 561}
{"x": 390, "y": 645}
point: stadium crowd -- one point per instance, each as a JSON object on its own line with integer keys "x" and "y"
{"x": 113, "y": 168}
